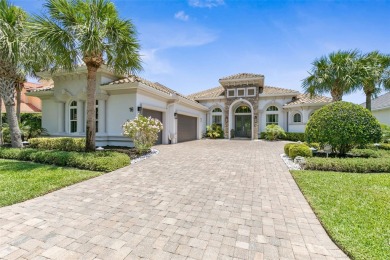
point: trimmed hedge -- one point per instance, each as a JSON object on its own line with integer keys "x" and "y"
{"x": 287, "y": 148}
{"x": 294, "y": 137}
{"x": 105, "y": 161}
{"x": 365, "y": 153}
{"x": 357, "y": 165}
{"x": 69, "y": 144}
{"x": 299, "y": 150}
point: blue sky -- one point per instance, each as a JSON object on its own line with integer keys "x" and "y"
{"x": 189, "y": 45}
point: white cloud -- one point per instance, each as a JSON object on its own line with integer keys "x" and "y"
{"x": 206, "y": 3}
{"x": 153, "y": 63}
{"x": 181, "y": 15}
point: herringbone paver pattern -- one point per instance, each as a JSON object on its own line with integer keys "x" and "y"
{"x": 197, "y": 200}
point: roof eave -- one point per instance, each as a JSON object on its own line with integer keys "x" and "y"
{"x": 307, "y": 105}
{"x": 279, "y": 95}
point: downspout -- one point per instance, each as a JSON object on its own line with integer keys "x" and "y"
{"x": 287, "y": 121}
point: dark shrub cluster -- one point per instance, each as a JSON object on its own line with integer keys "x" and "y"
{"x": 297, "y": 149}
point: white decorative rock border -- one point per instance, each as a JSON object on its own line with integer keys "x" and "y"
{"x": 290, "y": 163}
{"x": 146, "y": 156}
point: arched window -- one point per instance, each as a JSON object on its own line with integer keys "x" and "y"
{"x": 272, "y": 108}
{"x": 272, "y": 116}
{"x": 216, "y": 116}
{"x": 297, "y": 118}
{"x": 73, "y": 117}
{"x": 243, "y": 109}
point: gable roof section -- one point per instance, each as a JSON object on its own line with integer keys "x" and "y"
{"x": 220, "y": 92}
{"x": 242, "y": 76}
{"x": 305, "y": 99}
{"x": 381, "y": 102}
{"x": 155, "y": 85}
{"x": 24, "y": 108}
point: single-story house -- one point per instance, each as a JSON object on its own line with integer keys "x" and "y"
{"x": 380, "y": 108}
{"x": 242, "y": 105}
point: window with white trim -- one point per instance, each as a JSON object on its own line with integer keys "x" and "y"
{"x": 241, "y": 92}
{"x": 250, "y": 92}
{"x": 272, "y": 118}
{"x": 73, "y": 117}
{"x": 97, "y": 115}
{"x": 297, "y": 118}
{"x": 216, "y": 116}
{"x": 231, "y": 92}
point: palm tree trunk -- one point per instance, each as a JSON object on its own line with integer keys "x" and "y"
{"x": 7, "y": 91}
{"x": 336, "y": 94}
{"x": 18, "y": 100}
{"x": 91, "y": 116}
{"x": 368, "y": 100}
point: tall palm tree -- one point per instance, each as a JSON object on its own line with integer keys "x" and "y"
{"x": 12, "y": 57}
{"x": 87, "y": 32}
{"x": 333, "y": 74}
{"x": 374, "y": 74}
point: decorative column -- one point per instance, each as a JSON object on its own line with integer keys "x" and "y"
{"x": 80, "y": 117}
{"x": 61, "y": 117}
{"x": 102, "y": 116}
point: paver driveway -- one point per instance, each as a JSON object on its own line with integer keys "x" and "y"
{"x": 197, "y": 200}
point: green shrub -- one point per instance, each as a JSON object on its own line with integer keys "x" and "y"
{"x": 366, "y": 153}
{"x": 215, "y": 131}
{"x": 357, "y": 165}
{"x": 344, "y": 126}
{"x": 381, "y": 146}
{"x": 262, "y": 135}
{"x": 294, "y": 137}
{"x": 299, "y": 150}
{"x": 69, "y": 144}
{"x": 273, "y": 132}
{"x": 287, "y": 148}
{"x": 385, "y": 133}
{"x": 105, "y": 161}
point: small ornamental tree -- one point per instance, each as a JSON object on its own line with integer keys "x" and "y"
{"x": 273, "y": 132}
{"x": 343, "y": 125}
{"x": 143, "y": 131}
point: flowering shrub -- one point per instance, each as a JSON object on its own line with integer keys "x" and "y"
{"x": 143, "y": 131}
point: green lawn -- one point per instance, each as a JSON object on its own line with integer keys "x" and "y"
{"x": 354, "y": 209}
{"x": 20, "y": 181}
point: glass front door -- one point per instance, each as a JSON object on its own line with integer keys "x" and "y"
{"x": 243, "y": 126}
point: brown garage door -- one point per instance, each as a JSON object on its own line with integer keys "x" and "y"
{"x": 186, "y": 128}
{"x": 157, "y": 115}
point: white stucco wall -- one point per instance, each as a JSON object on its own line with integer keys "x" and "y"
{"x": 211, "y": 104}
{"x": 49, "y": 115}
{"x": 264, "y": 103}
{"x": 118, "y": 111}
{"x": 383, "y": 115}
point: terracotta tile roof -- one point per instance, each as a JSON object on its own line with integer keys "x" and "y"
{"x": 304, "y": 99}
{"x": 24, "y": 108}
{"x": 268, "y": 90}
{"x": 242, "y": 76}
{"x": 42, "y": 88}
{"x": 155, "y": 85}
{"x": 209, "y": 93}
{"x": 219, "y": 91}
{"x": 380, "y": 102}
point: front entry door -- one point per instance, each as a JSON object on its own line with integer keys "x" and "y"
{"x": 243, "y": 126}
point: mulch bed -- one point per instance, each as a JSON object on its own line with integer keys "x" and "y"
{"x": 131, "y": 152}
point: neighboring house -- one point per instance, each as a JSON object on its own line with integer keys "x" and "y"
{"x": 380, "y": 108}
{"x": 243, "y": 106}
{"x": 29, "y": 104}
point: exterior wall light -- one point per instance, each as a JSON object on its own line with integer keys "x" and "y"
{"x": 131, "y": 109}
{"x": 255, "y": 119}
{"x": 139, "y": 109}
{"x": 175, "y": 115}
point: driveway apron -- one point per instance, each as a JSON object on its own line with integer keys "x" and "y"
{"x": 206, "y": 199}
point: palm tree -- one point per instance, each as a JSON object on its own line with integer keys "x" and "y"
{"x": 12, "y": 57}
{"x": 1, "y": 121}
{"x": 87, "y": 32}
{"x": 374, "y": 74}
{"x": 334, "y": 74}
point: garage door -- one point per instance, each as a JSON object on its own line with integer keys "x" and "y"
{"x": 154, "y": 114}
{"x": 187, "y": 127}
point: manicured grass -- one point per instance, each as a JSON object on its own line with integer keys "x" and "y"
{"x": 354, "y": 209}
{"x": 20, "y": 181}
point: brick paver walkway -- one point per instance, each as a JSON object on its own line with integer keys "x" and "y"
{"x": 197, "y": 200}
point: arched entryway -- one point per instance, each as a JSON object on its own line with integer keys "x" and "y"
{"x": 243, "y": 121}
